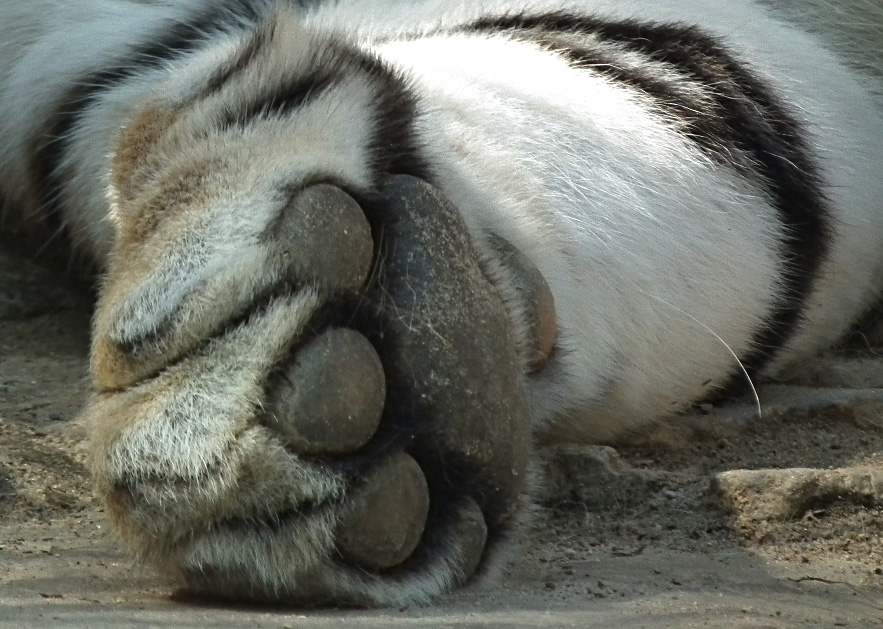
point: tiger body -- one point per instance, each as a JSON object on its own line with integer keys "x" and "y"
{"x": 699, "y": 184}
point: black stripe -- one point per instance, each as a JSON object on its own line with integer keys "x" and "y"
{"x": 172, "y": 40}
{"x": 743, "y": 125}
{"x": 395, "y": 147}
{"x": 692, "y": 116}
{"x": 282, "y": 101}
{"x": 252, "y": 48}
{"x": 702, "y": 118}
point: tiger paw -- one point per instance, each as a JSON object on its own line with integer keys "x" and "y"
{"x": 324, "y": 407}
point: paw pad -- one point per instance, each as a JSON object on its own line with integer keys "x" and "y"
{"x": 329, "y": 399}
{"x": 384, "y": 522}
{"x": 326, "y": 237}
{"x": 357, "y": 436}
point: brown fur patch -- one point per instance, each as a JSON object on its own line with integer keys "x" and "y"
{"x": 135, "y": 150}
{"x": 173, "y": 193}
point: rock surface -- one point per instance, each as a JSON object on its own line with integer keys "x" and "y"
{"x": 780, "y": 495}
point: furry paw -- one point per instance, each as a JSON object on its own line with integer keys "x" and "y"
{"x": 319, "y": 404}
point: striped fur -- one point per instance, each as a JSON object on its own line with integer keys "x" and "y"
{"x": 699, "y": 185}
{"x": 713, "y": 100}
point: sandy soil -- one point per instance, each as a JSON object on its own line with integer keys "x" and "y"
{"x": 664, "y": 533}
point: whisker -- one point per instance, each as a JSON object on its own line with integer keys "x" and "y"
{"x": 723, "y": 342}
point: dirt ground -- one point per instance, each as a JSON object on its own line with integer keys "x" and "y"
{"x": 685, "y": 529}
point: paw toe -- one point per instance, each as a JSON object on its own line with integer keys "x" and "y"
{"x": 471, "y": 534}
{"x": 326, "y": 236}
{"x": 385, "y": 521}
{"x": 329, "y": 399}
{"x": 537, "y": 300}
